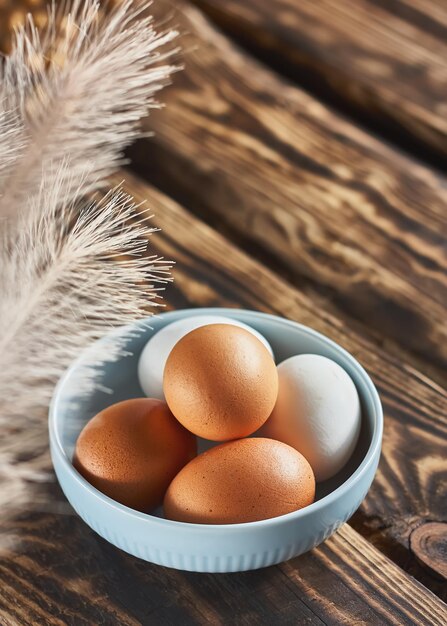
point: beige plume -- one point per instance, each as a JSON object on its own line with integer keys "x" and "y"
{"x": 71, "y": 270}
{"x": 79, "y": 90}
{"x": 67, "y": 279}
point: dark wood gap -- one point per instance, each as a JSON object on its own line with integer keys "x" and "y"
{"x": 414, "y": 16}
{"x": 385, "y": 129}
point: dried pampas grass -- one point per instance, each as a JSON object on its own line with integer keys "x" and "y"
{"x": 11, "y": 143}
{"x": 79, "y": 89}
{"x": 70, "y": 277}
{"x": 70, "y": 270}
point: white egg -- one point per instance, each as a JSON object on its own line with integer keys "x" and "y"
{"x": 317, "y": 412}
{"x": 155, "y": 353}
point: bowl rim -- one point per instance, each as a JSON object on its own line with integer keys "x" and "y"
{"x": 370, "y": 457}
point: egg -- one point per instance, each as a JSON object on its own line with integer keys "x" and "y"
{"x": 132, "y": 450}
{"x": 220, "y": 382}
{"x": 317, "y": 412}
{"x": 153, "y": 358}
{"x": 241, "y": 481}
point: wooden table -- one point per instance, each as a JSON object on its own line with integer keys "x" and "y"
{"x": 300, "y": 174}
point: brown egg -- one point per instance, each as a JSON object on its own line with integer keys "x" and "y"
{"x": 132, "y": 450}
{"x": 241, "y": 481}
{"x": 220, "y": 382}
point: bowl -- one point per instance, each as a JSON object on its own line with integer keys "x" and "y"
{"x": 223, "y": 547}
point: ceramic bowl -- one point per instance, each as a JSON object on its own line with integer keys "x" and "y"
{"x": 214, "y": 548}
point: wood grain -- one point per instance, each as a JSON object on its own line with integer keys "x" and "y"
{"x": 429, "y": 543}
{"x": 55, "y": 570}
{"x": 411, "y": 486}
{"x": 388, "y": 58}
{"x": 306, "y": 187}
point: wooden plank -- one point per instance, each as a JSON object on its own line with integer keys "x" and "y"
{"x": 54, "y": 570}
{"x": 306, "y": 187}
{"x": 388, "y": 58}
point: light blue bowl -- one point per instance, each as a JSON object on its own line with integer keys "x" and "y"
{"x": 215, "y": 548}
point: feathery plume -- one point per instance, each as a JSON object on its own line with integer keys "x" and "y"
{"x": 67, "y": 278}
{"x": 79, "y": 89}
{"x": 11, "y": 142}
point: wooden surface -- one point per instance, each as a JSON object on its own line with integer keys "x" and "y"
{"x": 386, "y": 58}
{"x": 56, "y": 570}
{"x": 328, "y": 201}
{"x": 268, "y": 199}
